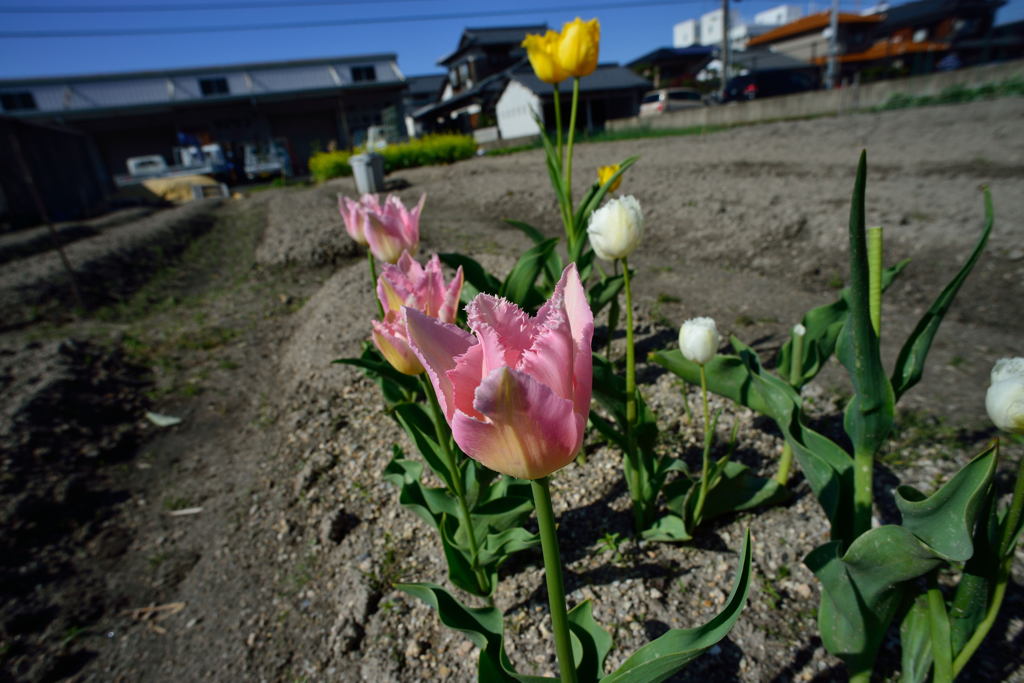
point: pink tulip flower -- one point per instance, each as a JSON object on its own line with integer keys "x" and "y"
{"x": 409, "y": 284}
{"x": 393, "y": 229}
{"x": 356, "y": 215}
{"x": 516, "y": 392}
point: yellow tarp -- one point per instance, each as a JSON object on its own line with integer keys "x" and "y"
{"x": 177, "y": 189}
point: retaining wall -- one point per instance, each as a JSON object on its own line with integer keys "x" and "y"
{"x": 838, "y": 101}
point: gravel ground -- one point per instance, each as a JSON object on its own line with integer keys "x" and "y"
{"x": 281, "y": 567}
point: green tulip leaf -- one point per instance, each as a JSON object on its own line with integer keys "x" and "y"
{"x": 663, "y": 657}
{"x": 429, "y": 504}
{"x": 862, "y": 589}
{"x": 868, "y": 417}
{"x": 910, "y": 363}
{"x": 591, "y": 642}
{"x": 395, "y": 386}
{"x": 916, "y": 643}
{"x": 605, "y": 291}
{"x": 668, "y": 528}
{"x": 519, "y": 286}
{"x": 498, "y": 547}
{"x": 552, "y": 265}
{"x": 460, "y": 563}
{"x": 482, "y": 625}
{"x": 420, "y": 428}
{"x": 736, "y": 489}
{"x": 946, "y": 519}
{"x": 476, "y": 278}
{"x": 822, "y": 326}
{"x": 742, "y": 379}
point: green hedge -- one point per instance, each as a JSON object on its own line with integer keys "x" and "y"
{"x": 426, "y": 151}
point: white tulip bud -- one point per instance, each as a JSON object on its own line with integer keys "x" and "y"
{"x": 616, "y": 228}
{"x": 699, "y": 339}
{"x": 799, "y": 330}
{"x": 1004, "y": 400}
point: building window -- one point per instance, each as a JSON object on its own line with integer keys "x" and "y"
{"x": 364, "y": 74}
{"x": 18, "y": 101}
{"x": 213, "y": 86}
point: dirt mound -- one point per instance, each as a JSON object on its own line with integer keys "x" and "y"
{"x": 107, "y": 266}
{"x": 72, "y": 406}
{"x": 304, "y": 228}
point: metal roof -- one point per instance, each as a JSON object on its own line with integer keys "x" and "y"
{"x": 672, "y": 54}
{"x": 199, "y": 70}
{"x": 92, "y": 95}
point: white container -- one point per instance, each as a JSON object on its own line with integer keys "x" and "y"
{"x": 368, "y": 170}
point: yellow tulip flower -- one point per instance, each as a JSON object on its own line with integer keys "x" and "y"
{"x": 577, "y": 49}
{"x": 606, "y": 172}
{"x": 543, "y": 54}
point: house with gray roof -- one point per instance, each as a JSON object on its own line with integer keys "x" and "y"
{"x": 610, "y": 92}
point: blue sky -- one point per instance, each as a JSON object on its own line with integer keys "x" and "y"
{"x": 330, "y": 28}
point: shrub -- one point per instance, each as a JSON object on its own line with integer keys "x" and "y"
{"x": 327, "y": 165}
{"x": 429, "y": 150}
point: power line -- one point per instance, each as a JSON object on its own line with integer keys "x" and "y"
{"x": 321, "y": 23}
{"x": 185, "y": 7}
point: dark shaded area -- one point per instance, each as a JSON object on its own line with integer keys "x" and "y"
{"x": 73, "y": 410}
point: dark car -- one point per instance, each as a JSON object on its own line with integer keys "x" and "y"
{"x": 769, "y": 84}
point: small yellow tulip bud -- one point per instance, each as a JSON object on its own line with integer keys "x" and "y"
{"x": 604, "y": 173}
{"x": 577, "y": 49}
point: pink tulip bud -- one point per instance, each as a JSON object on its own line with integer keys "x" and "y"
{"x": 516, "y": 392}
{"x": 407, "y": 283}
{"x": 354, "y": 215}
{"x": 392, "y": 228}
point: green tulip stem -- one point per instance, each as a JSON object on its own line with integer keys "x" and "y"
{"x": 465, "y": 519}
{"x": 373, "y": 277}
{"x": 567, "y": 162}
{"x": 1006, "y": 543}
{"x": 611, "y": 309}
{"x": 558, "y": 123}
{"x": 938, "y": 626}
{"x": 553, "y": 575}
{"x": 632, "y": 457}
{"x": 875, "y": 278}
{"x": 705, "y": 466}
{"x": 795, "y": 376}
{"x": 630, "y": 351}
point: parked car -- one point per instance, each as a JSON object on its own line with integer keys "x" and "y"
{"x": 769, "y": 84}
{"x": 669, "y": 99}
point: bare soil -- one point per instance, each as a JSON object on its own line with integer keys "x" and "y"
{"x": 256, "y": 539}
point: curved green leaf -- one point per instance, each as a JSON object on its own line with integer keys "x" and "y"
{"x": 868, "y": 417}
{"x": 420, "y": 428}
{"x": 553, "y": 265}
{"x": 593, "y": 640}
{"x": 862, "y": 590}
{"x": 946, "y": 520}
{"x": 661, "y": 658}
{"x": 482, "y": 625}
{"x": 477, "y": 279}
{"x": 910, "y": 363}
{"x": 823, "y": 325}
{"x": 916, "y": 643}
{"x": 519, "y": 287}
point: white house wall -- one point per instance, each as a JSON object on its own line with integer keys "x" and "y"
{"x": 516, "y": 109}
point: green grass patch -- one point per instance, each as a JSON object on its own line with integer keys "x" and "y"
{"x": 957, "y": 94}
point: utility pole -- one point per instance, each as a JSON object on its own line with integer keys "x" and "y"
{"x": 725, "y": 46}
{"x": 832, "y": 72}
